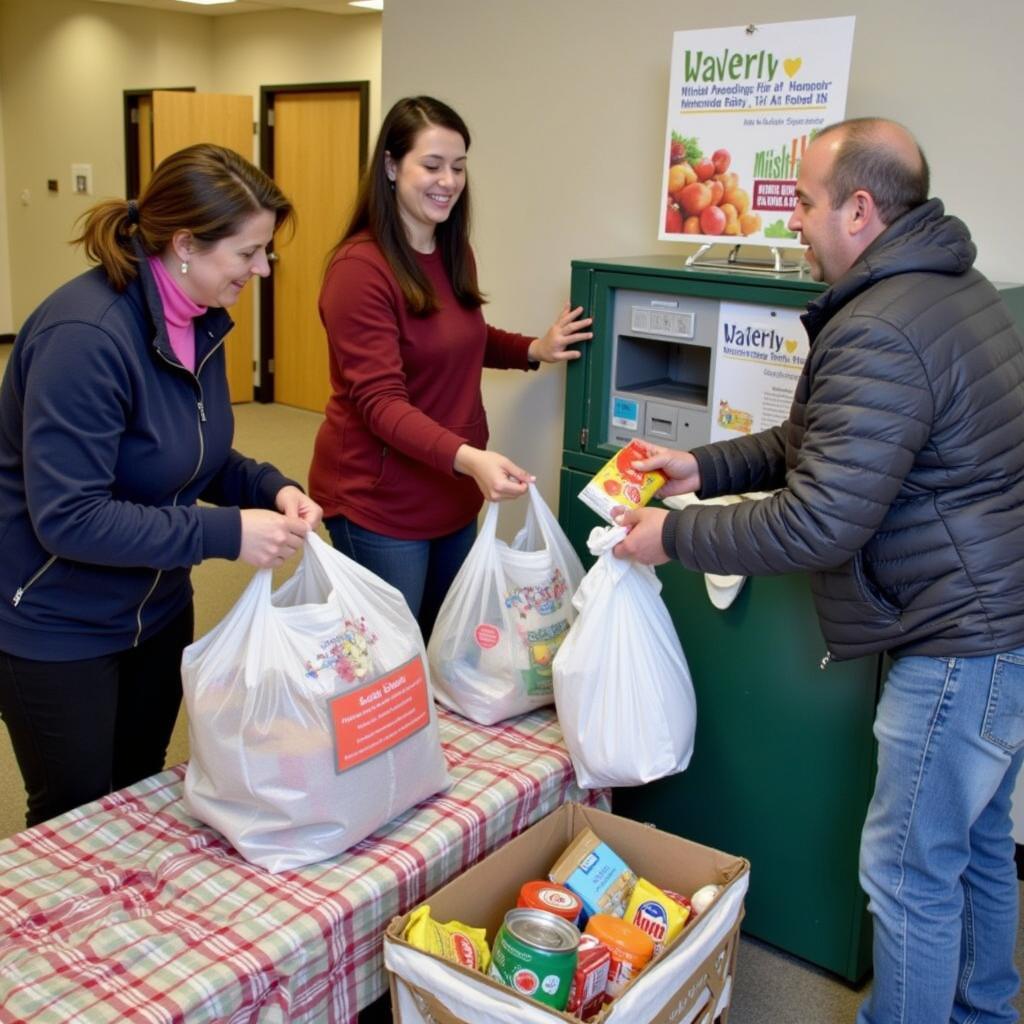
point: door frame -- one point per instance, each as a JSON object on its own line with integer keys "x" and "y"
{"x": 264, "y": 390}
{"x": 132, "y": 172}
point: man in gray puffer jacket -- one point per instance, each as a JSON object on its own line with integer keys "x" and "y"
{"x": 900, "y": 477}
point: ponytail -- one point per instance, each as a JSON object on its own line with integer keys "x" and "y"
{"x": 206, "y": 190}
{"x": 106, "y": 238}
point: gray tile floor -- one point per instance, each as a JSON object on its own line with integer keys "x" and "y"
{"x": 775, "y": 988}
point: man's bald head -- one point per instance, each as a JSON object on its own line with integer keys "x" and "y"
{"x": 882, "y": 158}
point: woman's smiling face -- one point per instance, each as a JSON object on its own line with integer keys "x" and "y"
{"x": 217, "y": 274}
{"x": 428, "y": 182}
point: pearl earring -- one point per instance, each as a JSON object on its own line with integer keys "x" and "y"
{"x": 184, "y": 266}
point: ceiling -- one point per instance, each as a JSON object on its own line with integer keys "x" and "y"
{"x": 246, "y": 6}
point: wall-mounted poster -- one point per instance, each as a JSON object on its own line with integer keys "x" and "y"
{"x": 744, "y": 103}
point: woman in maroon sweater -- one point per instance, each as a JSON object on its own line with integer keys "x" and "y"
{"x": 401, "y": 464}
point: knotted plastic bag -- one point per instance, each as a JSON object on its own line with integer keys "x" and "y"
{"x": 622, "y": 686}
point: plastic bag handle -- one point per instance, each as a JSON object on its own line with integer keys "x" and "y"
{"x": 543, "y": 518}
{"x": 489, "y": 527}
{"x": 262, "y": 588}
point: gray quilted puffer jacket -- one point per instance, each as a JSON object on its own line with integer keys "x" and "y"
{"x": 901, "y": 466}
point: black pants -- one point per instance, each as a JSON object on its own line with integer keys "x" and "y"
{"x": 81, "y": 729}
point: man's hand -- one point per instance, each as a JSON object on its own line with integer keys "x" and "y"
{"x": 643, "y": 542}
{"x": 680, "y": 467}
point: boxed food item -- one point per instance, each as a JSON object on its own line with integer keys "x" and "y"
{"x": 690, "y": 981}
{"x": 618, "y": 485}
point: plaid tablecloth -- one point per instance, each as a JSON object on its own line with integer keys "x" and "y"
{"x": 127, "y": 909}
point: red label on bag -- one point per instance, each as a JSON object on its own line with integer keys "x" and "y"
{"x": 487, "y": 636}
{"x": 372, "y": 719}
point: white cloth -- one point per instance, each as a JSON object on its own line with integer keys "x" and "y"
{"x": 722, "y": 590}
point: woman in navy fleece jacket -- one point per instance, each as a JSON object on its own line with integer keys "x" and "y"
{"x": 114, "y": 420}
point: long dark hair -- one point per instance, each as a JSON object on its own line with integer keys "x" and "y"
{"x": 207, "y": 190}
{"x": 376, "y": 210}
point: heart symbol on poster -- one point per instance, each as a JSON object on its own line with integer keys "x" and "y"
{"x": 791, "y": 345}
{"x": 792, "y": 65}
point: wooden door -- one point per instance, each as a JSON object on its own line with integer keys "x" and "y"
{"x": 144, "y": 114}
{"x": 318, "y": 147}
{"x": 182, "y": 119}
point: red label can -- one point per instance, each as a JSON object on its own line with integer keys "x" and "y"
{"x": 554, "y": 898}
{"x": 587, "y": 994}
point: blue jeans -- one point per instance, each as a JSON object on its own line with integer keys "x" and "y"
{"x": 422, "y": 570}
{"x": 937, "y": 852}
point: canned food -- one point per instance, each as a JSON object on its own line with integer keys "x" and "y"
{"x": 534, "y": 953}
{"x": 590, "y": 980}
{"x": 631, "y": 949}
{"x": 555, "y": 899}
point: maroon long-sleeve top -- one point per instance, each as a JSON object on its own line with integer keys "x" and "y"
{"x": 406, "y": 395}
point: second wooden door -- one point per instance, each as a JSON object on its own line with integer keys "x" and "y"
{"x": 318, "y": 147}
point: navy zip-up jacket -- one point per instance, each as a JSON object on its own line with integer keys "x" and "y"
{"x": 106, "y": 444}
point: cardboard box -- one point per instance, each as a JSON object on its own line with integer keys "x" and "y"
{"x": 689, "y": 983}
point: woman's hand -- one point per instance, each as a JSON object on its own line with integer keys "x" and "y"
{"x": 498, "y": 478}
{"x": 294, "y": 502}
{"x": 681, "y": 468}
{"x": 269, "y": 539}
{"x": 568, "y": 329}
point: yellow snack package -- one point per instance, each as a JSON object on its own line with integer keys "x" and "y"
{"x": 453, "y": 941}
{"x": 617, "y": 483}
{"x": 655, "y": 913}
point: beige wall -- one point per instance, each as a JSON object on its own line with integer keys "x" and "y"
{"x": 6, "y": 314}
{"x": 567, "y": 104}
{"x": 63, "y": 67}
{"x": 287, "y": 47}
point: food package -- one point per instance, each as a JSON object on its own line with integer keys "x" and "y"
{"x": 597, "y": 874}
{"x": 460, "y": 943}
{"x": 618, "y": 485}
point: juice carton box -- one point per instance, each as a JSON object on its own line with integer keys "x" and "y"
{"x": 618, "y": 485}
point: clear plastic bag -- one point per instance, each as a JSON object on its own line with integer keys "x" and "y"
{"x": 311, "y": 719}
{"x": 622, "y": 686}
{"x": 504, "y": 617}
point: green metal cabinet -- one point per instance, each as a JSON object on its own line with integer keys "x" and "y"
{"x": 783, "y": 764}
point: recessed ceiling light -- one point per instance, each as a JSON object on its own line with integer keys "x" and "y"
{"x": 206, "y": 3}
{"x": 373, "y": 5}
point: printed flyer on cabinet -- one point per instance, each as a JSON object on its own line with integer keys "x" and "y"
{"x": 744, "y": 103}
{"x": 761, "y": 353}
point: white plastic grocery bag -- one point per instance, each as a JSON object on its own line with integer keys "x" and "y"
{"x": 622, "y": 686}
{"x": 311, "y": 719}
{"x": 504, "y": 617}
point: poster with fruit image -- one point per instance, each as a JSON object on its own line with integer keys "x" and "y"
{"x": 744, "y": 104}
{"x": 761, "y": 352}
